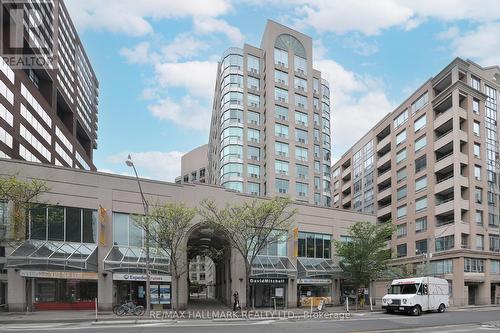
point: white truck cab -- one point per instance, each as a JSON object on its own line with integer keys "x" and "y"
{"x": 414, "y": 295}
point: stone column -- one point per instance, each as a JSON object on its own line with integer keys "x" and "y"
{"x": 292, "y": 293}
{"x": 16, "y": 291}
{"x": 459, "y": 296}
{"x": 484, "y": 289}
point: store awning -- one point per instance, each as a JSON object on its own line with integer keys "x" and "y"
{"x": 133, "y": 259}
{"x": 273, "y": 266}
{"x": 72, "y": 256}
{"x": 309, "y": 267}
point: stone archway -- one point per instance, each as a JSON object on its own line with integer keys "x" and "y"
{"x": 206, "y": 241}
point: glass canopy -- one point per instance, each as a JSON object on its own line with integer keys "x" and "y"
{"x": 273, "y": 266}
{"x": 48, "y": 253}
{"x": 309, "y": 267}
{"x": 124, "y": 258}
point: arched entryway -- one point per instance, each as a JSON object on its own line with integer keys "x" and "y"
{"x": 209, "y": 259}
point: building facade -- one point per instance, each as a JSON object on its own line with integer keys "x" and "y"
{"x": 82, "y": 244}
{"x": 270, "y": 129}
{"x": 194, "y": 166}
{"x": 431, "y": 167}
{"x": 48, "y": 112}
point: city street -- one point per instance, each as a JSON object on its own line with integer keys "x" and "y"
{"x": 460, "y": 320}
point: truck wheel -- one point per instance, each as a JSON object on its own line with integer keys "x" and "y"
{"x": 417, "y": 310}
{"x": 389, "y": 311}
{"x": 441, "y": 308}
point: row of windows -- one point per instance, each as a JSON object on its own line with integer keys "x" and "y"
{"x": 281, "y": 59}
{"x": 4, "y": 68}
{"x": 5, "y": 137}
{"x": 35, "y": 105}
{"x": 36, "y": 124}
{"x": 313, "y": 245}
{"x": 6, "y": 115}
{"x": 30, "y": 138}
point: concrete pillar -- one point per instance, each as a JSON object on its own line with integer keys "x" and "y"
{"x": 484, "y": 290}
{"x": 458, "y": 294}
{"x": 105, "y": 292}
{"x": 292, "y": 293}
{"x": 16, "y": 291}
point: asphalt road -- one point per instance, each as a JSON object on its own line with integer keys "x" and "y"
{"x": 453, "y": 321}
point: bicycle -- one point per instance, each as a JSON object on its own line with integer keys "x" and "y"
{"x": 129, "y": 308}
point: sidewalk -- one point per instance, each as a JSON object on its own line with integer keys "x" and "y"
{"x": 109, "y": 317}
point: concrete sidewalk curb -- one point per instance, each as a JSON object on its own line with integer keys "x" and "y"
{"x": 132, "y": 322}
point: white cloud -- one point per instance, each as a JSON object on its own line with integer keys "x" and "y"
{"x": 132, "y": 17}
{"x": 139, "y": 54}
{"x": 208, "y": 25}
{"x": 153, "y": 164}
{"x": 188, "y": 112}
{"x": 197, "y": 77}
{"x": 182, "y": 47}
{"x": 358, "y": 103}
{"x": 481, "y": 44}
{"x": 359, "y": 46}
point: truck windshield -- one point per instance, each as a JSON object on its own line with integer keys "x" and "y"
{"x": 404, "y": 288}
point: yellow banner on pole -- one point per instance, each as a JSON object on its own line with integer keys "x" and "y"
{"x": 102, "y": 225}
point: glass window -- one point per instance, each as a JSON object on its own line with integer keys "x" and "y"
{"x": 281, "y": 130}
{"x": 253, "y": 188}
{"x": 401, "y": 174}
{"x": 300, "y": 118}
{"x": 253, "y": 83}
{"x": 281, "y": 57}
{"x": 281, "y": 95}
{"x": 420, "y": 163}
{"x": 401, "y": 193}
{"x": 401, "y": 212}
{"x": 300, "y": 64}
{"x": 401, "y": 250}
{"x": 281, "y": 149}
{"x": 495, "y": 266}
{"x": 301, "y": 136}
{"x": 401, "y": 119}
{"x": 234, "y": 185}
{"x": 479, "y": 217}
{"x": 253, "y": 153}
{"x": 253, "y": 171}
{"x": 420, "y": 143}
{"x": 420, "y": 204}
{"x": 473, "y": 265}
{"x": 476, "y": 83}
{"x": 73, "y": 224}
{"x": 282, "y": 186}
{"x": 477, "y": 150}
{"x": 281, "y": 112}
{"x": 477, "y": 172}
{"x": 253, "y": 100}
{"x": 253, "y": 118}
{"x": 401, "y": 230}
{"x": 421, "y": 224}
{"x": 301, "y": 154}
{"x": 253, "y": 64}
{"x": 479, "y": 195}
{"x": 420, "y": 183}
{"x": 312, "y": 245}
{"x": 421, "y": 246}
{"x": 445, "y": 243}
{"x": 475, "y": 106}
{"x": 420, "y": 102}
{"x": 476, "y": 129}
{"x": 301, "y": 171}
{"x": 120, "y": 229}
{"x": 300, "y": 101}
{"x": 38, "y": 223}
{"x": 281, "y": 167}
{"x": 281, "y": 77}
{"x": 401, "y": 156}
{"x": 420, "y": 123}
{"x": 56, "y": 223}
{"x": 316, "y": 85}
{"x": 300, "y": 84}
{"x": 232, "y": 132}
{"x": 253, "y": 135}
{"x": 401, "y": 137}
{"x": 301, "y": 190}
{"x": 479, "y": 242}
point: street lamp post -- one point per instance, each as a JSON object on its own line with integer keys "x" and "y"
{"x": 146, "y": 229}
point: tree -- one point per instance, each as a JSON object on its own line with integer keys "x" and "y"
{"x": 168, "y": 225}
{"x": 366, "y": 255}
{"x": 251, "y": 226}
{"x": 22, "y": 195}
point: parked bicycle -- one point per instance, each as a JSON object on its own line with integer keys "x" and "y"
{"x": 129, "y": 308}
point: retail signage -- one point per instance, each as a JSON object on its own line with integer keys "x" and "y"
{"x": 314, "y": 281}
{"x": 267, "y": 281}
{"x": 59, "y": 275}
{"x": 141, "y": 277}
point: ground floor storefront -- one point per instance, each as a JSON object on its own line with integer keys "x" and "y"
{"x": 132, "y": 287}
{"x": 312, "y": 291}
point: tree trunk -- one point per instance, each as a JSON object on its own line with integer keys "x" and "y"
{"x": 247, "y": 286}
{"x": 177, "y": 292}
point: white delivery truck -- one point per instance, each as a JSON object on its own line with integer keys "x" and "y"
{"x": 414, "y": 295}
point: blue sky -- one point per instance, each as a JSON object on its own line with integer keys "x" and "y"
{"x": 156, "y": 62}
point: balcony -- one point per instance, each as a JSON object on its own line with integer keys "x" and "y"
{"x": 346, "y": 174}
{"x": 444, "y": 207}
{"x": 444, "y": 162}
{"x": 383, "y": 211}
{"x": 443, "y": 139}
{"x": 444, "y": 184}
{"x": 346, "y": 186}
{"x": 443, "y": 117}
{"x": 346, "y": 199}
{"x": 383, "y": 143}
{"x": 383, "y": 160}
{"x": 383, "y": 177}
{"x": 387, "y": 192}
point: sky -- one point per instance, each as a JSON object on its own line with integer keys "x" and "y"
{"x": 156, "y": 61}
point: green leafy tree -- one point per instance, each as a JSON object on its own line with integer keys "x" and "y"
{"x": 251, "y": 226}
{"x": 366, "y": 255}
{"x": 168, "y": 225}
{"x": 21, "y": 195}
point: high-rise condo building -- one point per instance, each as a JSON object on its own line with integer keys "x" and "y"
{"x": 270, "y": 129}
{"x": 48, "y": 89}
{"x": 432, "y": 168}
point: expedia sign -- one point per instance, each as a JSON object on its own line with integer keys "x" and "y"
{"x": 141, "y": 277}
